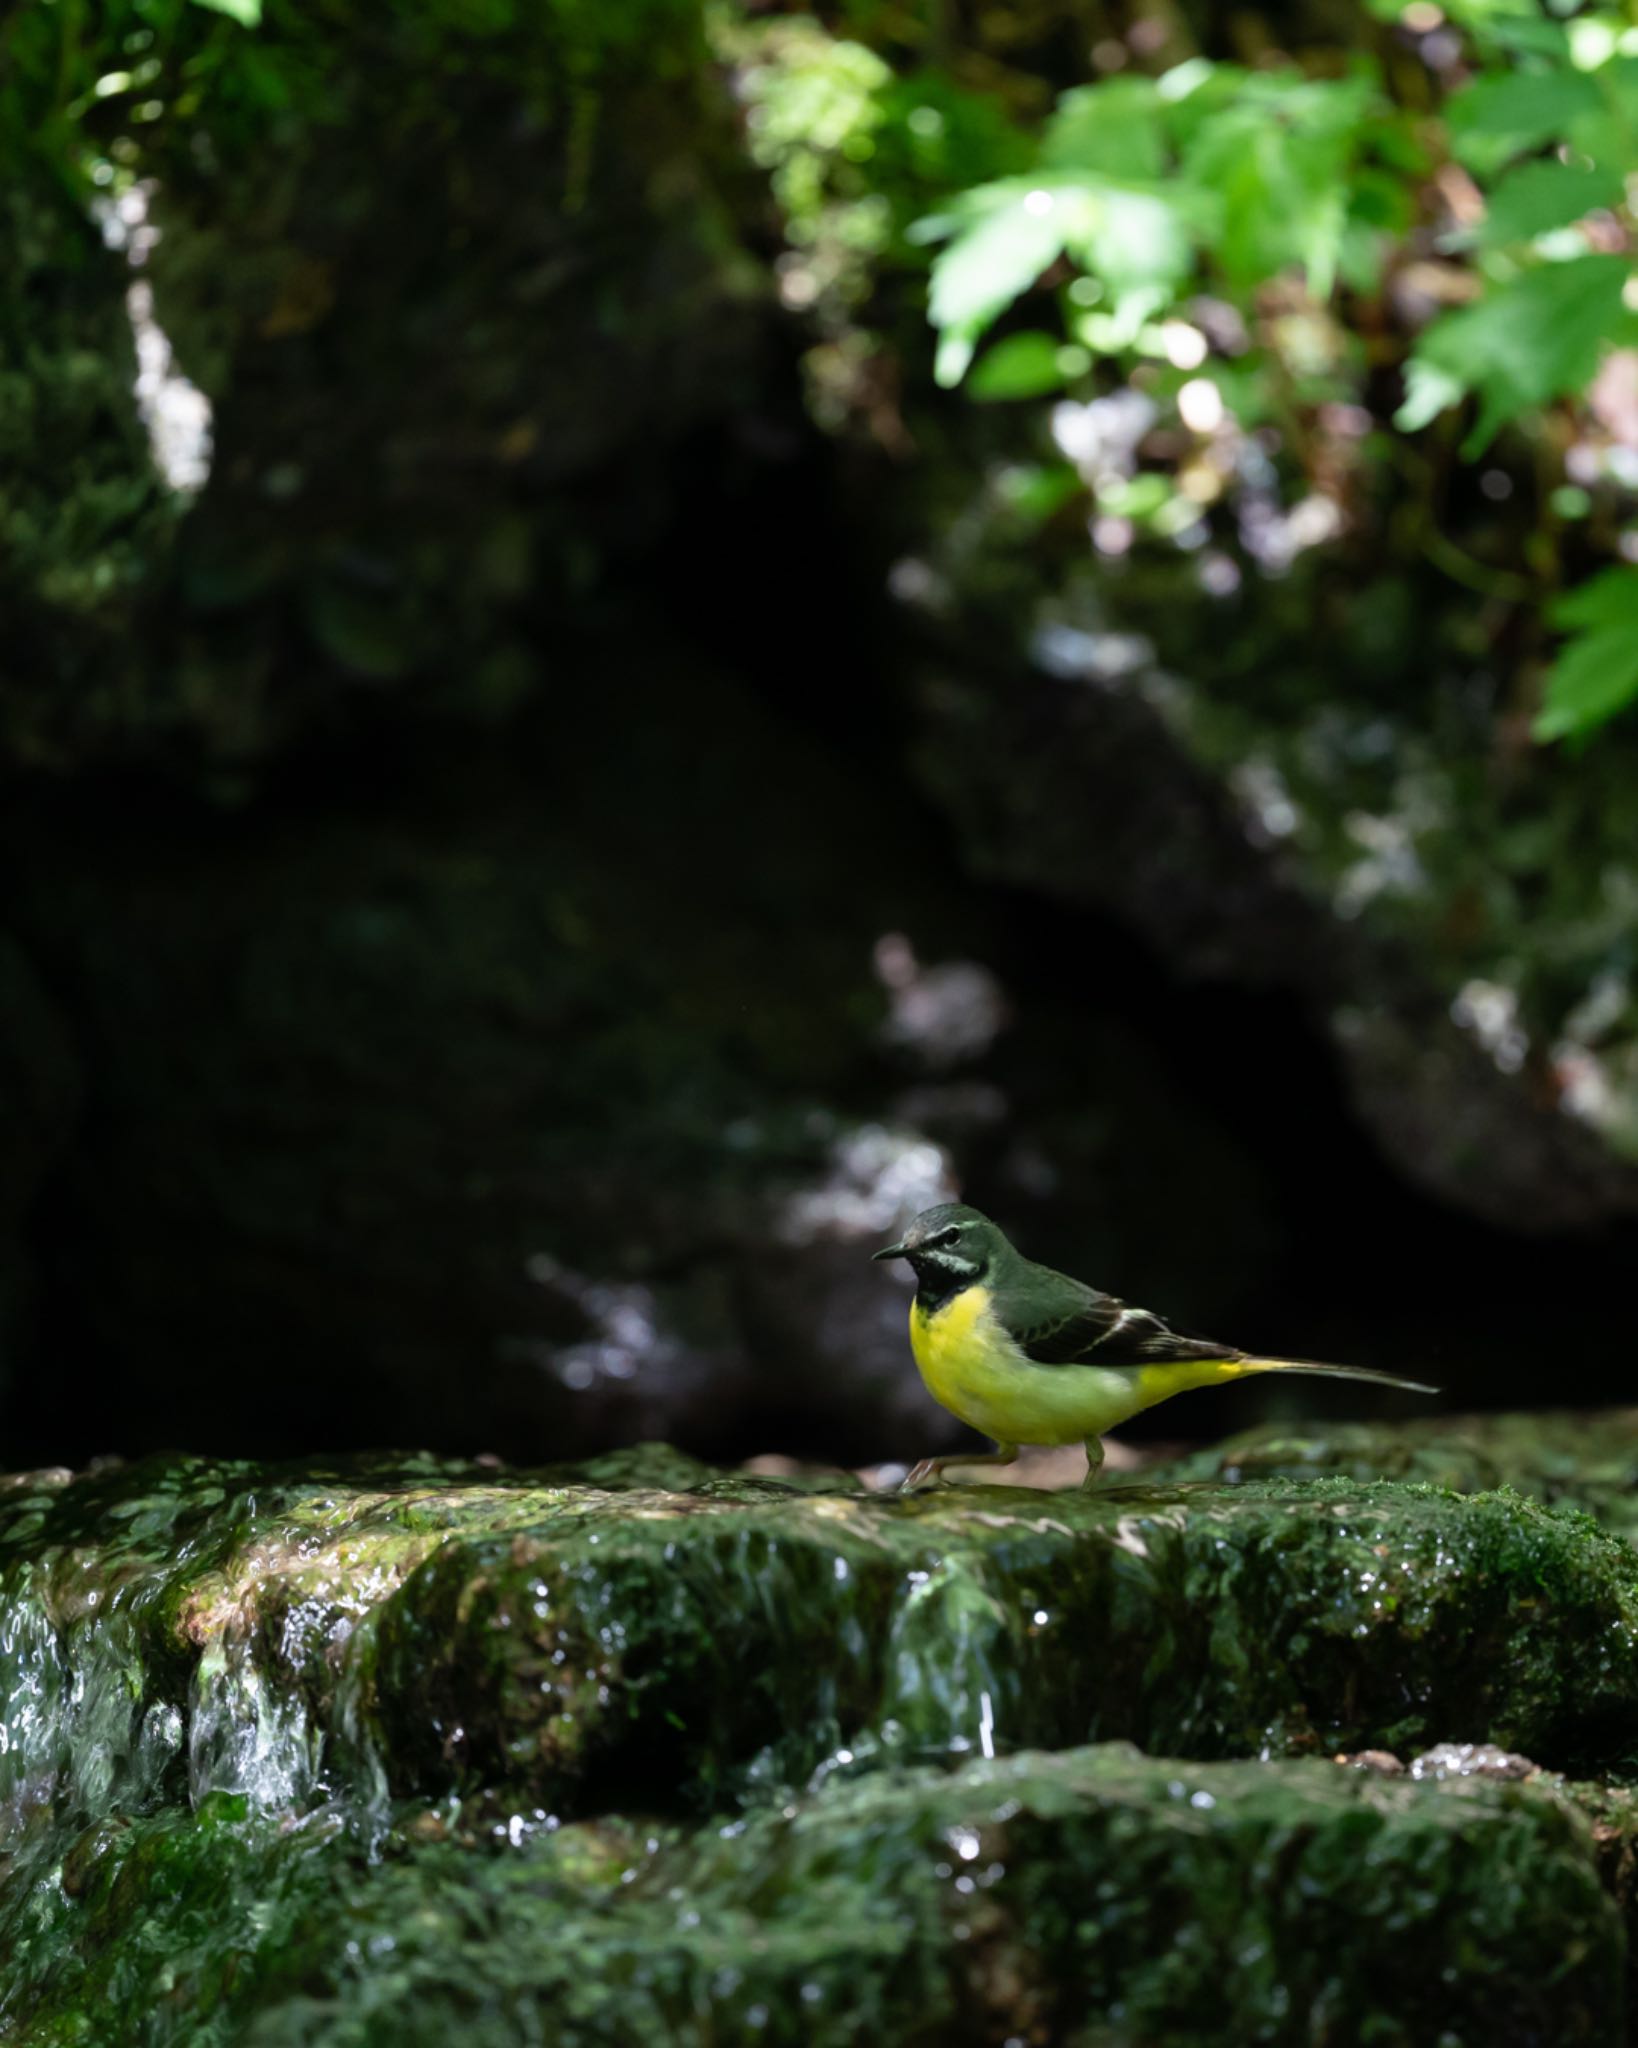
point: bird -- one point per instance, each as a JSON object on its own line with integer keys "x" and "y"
{"x": 1030, "y": 1356}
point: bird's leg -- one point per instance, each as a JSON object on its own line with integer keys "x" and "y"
{"x": 934, "y": 1468}
{"x": 1094, "y": 1463}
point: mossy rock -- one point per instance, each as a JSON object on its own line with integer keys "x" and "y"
{"x": 683, "y": 1639}
{"x": 452, "y": 348}
{"x": 295, "y": 1754}
{"x": 1094, "y": 1897}
{"x": 1287, "y": 1617}
{"x": 1579, "y": 1458}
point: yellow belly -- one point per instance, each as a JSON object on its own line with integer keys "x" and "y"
{"x": 972, "y": 1367}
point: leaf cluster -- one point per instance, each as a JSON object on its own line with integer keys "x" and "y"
{"x": 1434, "y": 235}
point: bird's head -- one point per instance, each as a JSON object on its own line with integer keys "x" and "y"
{"x": 951, "y": 1242}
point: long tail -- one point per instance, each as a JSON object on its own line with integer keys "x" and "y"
{"x": 1335, "y": 1372}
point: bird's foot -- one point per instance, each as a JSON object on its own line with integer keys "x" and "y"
{"x": 1094, "y": 1463}
{"x": 928, "y": 1472}
{"x": 932, "y": 1469}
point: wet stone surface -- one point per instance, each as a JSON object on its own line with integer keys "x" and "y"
{"x": 1570, "y": 1458}
{"x": 423, "y": 1751}
{"x": 1096, "y": 1895}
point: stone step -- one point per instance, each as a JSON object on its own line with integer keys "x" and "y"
{"x": 648, "y": 1629}
{"x": 1095, "y": 1896}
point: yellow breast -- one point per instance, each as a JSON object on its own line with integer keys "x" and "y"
{"x": 960, "y": 1348}
{"x": 972, "y": 1367}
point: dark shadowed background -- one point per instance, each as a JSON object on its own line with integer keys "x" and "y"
{"x": 557, "y": 785}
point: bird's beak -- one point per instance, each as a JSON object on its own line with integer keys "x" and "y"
{"x": 892, "y": 1251}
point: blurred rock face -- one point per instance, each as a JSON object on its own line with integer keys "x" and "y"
{"x": 287, "y": 449}
{"x": 544, "y": 1096}
{"x": 491, "y": 1106}
{"x": 1107, "y": 797}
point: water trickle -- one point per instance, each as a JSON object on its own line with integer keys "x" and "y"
{"x": 248, "y": 1733}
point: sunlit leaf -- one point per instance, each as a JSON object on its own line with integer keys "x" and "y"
{"x": 1275, "y": 163}
{"x": 1523, "y": 343}
{"x": 1523, "y": 31}
{"x": 1428, "y": 390}
{"x": 1018, "y": 229}
{"x": 246, "y": 12}
{"x": 1135, "y": 242}
{"x": 1508, "y": 24}
{"x": 1538, "y": 197}
{"x": 1142, "y": 497}
{"x": 1596, "y": 673}
{"x": 1114, "y": 127}
{"x": 1619, "y": 78}
{"x": 1138, "y": 245}
{"x": 1021, "y": 366}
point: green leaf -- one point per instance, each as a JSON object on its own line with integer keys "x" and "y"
{"x": 1139, "y": 498}
{"x": 1522, "y": 344}
{"x": 248, "y": 13}
{"x": 1522, "y": 31}
{"x": 1114, "y": 127}
{"x": 1138, "y": 245}
{"x": 1275, "y": 165}
{"x": 1619, "y": 77}
{"x": 1004, "y": 235}
{"x": 1596, "y": 673}
{"x": 1538, "y": 197}
{"x": 1022, "y": 366}
{"x": 1428, "y": 390}
{"x": 1507, "y": 24}
{"x": 1032, "y": 492}
{"x": 1017, "y": 232}
{"x": 1503, "y": 114}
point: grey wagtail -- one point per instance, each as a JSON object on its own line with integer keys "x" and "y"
{"x": 1030, "y": 1356}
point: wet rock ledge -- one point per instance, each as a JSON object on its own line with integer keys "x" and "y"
{"x": 403, "y": 1750}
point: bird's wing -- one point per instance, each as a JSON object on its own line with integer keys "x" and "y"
{"x": 1071, "y": 1324}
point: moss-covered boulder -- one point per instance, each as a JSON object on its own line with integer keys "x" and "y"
{"x": 655, "y": 1632}
{"x": 1579, "y": 1458}
{"x": 1288, "y": 1617}
{"x": 1091, "y": 1897}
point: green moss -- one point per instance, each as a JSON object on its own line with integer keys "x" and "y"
{"x": 417, "y": 1627}
{"x": 1573, "y": 1458}
{"x": 1092, "y": 1896}
{"x": 292, "y": 1754}
{"x": 398, "y": 444}
{"x": 678, "y": 1637}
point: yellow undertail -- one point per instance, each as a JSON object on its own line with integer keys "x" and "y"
{"x": 1166, "y": 1380}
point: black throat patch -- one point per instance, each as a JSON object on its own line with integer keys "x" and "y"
{"x": 939, "y": 1281}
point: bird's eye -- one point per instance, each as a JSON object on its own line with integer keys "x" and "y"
{"x": 946, "y": 1236}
